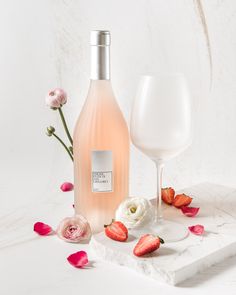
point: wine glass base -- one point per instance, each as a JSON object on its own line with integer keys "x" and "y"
{"x": 169, "y": 231}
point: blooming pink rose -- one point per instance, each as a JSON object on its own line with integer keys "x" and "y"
{"x": 56, "y": 98}
{"x": 74, "y": 229}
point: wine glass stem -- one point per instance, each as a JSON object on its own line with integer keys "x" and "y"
{"x": 158, "y": 216}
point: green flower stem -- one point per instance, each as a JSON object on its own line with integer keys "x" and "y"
{"x": 65, "y": 125}
{"x": 66, "y": 148}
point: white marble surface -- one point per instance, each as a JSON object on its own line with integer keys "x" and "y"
{"x": 37, "y": 265}
{"x": 175, "y": 262}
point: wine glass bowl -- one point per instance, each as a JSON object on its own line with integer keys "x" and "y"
{"x": 161, "y": 127}
{"x": 161, "y": 118}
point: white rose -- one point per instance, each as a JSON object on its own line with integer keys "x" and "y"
{"x": 134, "y": 212}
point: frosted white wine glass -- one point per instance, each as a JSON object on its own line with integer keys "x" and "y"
{"x": 161, "y": 127}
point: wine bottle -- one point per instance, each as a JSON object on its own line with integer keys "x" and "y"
{"x": 101, "y": 143}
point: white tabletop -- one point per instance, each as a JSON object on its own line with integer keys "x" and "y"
{"x": 32, "y": 264}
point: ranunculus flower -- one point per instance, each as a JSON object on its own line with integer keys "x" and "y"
{"x": 67, "y": 187}
{"x": 197, "y": 229}
{"x": 74, "y": 229}
{"x": 78, "y": 259}
{"x": 56, "y": 98}
{"x": 134, "y": 212}
{"x": 42, "y": 229}
{"x": 189, "y": 211}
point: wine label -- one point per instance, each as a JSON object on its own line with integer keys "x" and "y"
{"x": 102, "y": 180}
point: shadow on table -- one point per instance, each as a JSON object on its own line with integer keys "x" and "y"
{"x": 90, "y": 264}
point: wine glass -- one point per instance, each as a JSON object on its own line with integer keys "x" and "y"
{"x": 161, "y": 127}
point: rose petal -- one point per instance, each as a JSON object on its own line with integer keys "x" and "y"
{"x": 78, "y": 259}
{"x": 197, "y": 229}
{"x": 67, "y": 187}
{"x": 189, "y": 211}
{"x": 42, "y": 229}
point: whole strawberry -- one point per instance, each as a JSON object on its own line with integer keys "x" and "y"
{"x": 168, "y": 195}
{"x": 116, "y": 231}
{"x": 147, "y": 244}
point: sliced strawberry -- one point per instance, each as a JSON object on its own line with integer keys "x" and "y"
{"x": 147, "y": 244}
{"x": 168, "y": 195}
{"x": 116, "y": 231}
{"x": 182, "y": 200}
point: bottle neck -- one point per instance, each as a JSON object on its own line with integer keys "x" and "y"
{"x": 100, "y": 62}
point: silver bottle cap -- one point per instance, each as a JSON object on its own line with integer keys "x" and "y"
{"x": 100, "y": 55}
{"x": 100, "y": 38}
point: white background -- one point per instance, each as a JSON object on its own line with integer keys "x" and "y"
{"x": 45, "y": 44}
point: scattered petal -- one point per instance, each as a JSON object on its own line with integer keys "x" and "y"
{"x": 67, "y": 187}
{"x": 189, "y": 211}
{"x": 197, "y": 229}
{"x": 42, "y": 229}
{"x": 78, "y": 259}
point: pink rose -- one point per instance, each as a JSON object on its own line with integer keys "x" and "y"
{"x": 74, "y": 229}
{"x": 56, "y": 98}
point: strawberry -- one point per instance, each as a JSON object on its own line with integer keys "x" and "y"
{"x": 182, "y": 200}
{"x": 147, "y": 244}
{"x": 116, "y": 231}
{"x": 168, "y": 195}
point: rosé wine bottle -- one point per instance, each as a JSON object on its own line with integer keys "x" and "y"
{"x": 101, "y": 144}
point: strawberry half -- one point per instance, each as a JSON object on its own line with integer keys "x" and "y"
{"x": 168, "y": 195}
{"x": 116, "y": 231}
{"x": 182, "y": 200}
{"x": 147, "y": 244}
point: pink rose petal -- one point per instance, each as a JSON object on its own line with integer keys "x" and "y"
{"x": 78, "y": 259}
{"x": 197, "y": 229}
{"x": 189, "y": 211}
{"x": 42, "y": 229}
{"x": 67, "y": 187}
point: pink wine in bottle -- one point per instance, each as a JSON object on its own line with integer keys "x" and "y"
{"x": 101, "y": 143}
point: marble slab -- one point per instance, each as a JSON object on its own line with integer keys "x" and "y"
{"x": 176, "y": 262}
